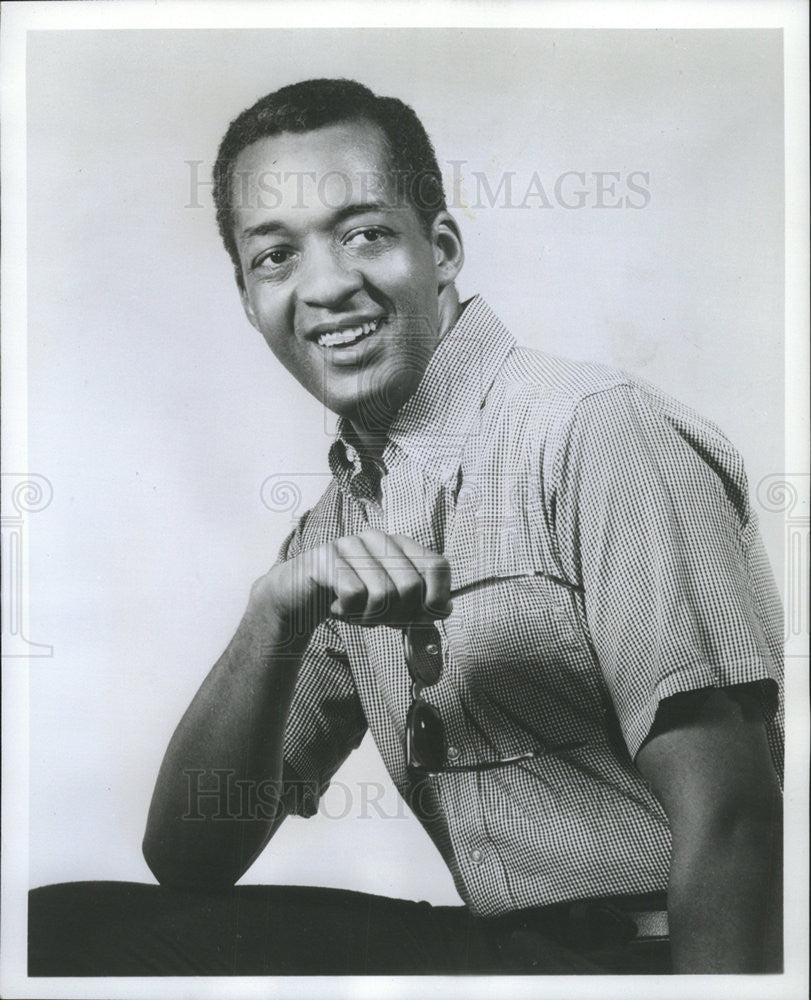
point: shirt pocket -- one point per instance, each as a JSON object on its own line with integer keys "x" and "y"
{"x": 521, "y": 662}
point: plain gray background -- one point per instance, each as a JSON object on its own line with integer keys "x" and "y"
{"x": 157, "y": 413}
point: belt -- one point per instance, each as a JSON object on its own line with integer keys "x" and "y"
{"x": 589, "y": 924}
{"x": 650, "y": 924}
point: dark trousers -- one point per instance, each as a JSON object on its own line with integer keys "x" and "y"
{"x": 129, "y": 929}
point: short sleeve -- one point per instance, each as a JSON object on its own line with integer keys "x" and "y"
{"x": 326, "y": 720}
{"x": 652, "y": 521}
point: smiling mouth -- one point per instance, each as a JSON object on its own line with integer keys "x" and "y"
{"x": 350, "y": 335}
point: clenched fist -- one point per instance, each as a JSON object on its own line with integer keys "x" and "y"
{"x": 367, "y": 579}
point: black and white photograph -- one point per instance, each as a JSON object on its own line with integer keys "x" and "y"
{"x": 405, "y": 500}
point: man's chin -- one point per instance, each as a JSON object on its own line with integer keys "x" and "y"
{"x": 371, "y": 418}
{"x": 374, "y": 411}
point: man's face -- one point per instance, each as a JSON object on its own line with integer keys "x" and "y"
{"x": 339, "y": 276}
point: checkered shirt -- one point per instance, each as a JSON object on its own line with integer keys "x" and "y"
{"x": 609, "y": 558}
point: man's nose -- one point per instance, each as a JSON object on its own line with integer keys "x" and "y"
{"x": 326, "y": 278}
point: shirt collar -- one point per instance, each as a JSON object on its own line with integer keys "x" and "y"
{"x": 434, "y": 422}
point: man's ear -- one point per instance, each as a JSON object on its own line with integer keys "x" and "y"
{"x": 449, "y": 254}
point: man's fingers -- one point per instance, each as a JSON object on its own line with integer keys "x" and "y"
{"x": 375, "y": 578}
{"x": 351, "y": 590}
{"x": 435, "y": 571}
{"x": 381, "y": 593}
{"x": 405, "y": 583}
{"x": 337, "y": 579}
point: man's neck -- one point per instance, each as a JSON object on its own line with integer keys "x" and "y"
{"x": 370, "y": 442}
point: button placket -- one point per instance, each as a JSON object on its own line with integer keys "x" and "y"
{"x": 453, "y": 753}
{"x": 461, "y": 740}
{"x": 372, "y": 513}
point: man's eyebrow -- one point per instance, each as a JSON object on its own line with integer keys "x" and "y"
{"x": 262, "y": 229}
{"x": 358, "y": 208}
{"x": 271, "y": 226}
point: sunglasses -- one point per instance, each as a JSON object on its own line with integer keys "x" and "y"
{"x": 425, "y": 731}
{"x": 426, "y": 743}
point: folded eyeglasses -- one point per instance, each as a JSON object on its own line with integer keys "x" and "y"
{"x": 426, "y": 744}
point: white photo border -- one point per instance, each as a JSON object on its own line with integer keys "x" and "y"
{"x": 17, "y": 20}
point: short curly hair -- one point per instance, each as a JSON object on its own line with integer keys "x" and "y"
{"x": 313, "y": 104}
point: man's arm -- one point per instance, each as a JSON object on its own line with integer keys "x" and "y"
{"x": 235, "y": 724}
{"x": 231, "y": 732}
{"x": 708, "y": 762}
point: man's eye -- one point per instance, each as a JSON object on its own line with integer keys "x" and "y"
{"x": 363, "y": 237}
{"x": 274, "y": 258}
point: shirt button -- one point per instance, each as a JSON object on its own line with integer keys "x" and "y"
{"x": 476, "y": 856}
{"x": 453, "y": 752}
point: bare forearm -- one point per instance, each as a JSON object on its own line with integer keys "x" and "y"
{"x": 215, "y": 798}
{"x": 725, "y": 896}
{"x": 231, "y": 735}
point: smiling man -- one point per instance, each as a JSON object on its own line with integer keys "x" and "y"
{"x": 352, "y": 289}
{"x": 539, "y": 584}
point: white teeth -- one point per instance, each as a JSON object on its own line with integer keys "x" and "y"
{"x": 348, "y": 334}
